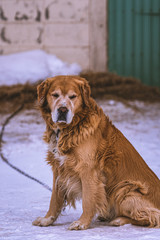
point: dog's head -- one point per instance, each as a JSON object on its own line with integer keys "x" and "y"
{"x": 64, "y": 96}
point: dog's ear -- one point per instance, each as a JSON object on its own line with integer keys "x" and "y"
{"x": 42, "y": 90}
{"x": 85, "y": 92}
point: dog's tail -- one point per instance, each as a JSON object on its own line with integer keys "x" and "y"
{"x": 130, "y": 196}
{"x": 149, "y": 217}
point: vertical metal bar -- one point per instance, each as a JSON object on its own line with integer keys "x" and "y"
{"x": 151, "y": 27}
{"x": 134, "y": 39}
{"x": 141, "y": 22}
{"x": 115, "y": 33}
{"x": 111, "y": 41}
{"x": 147, "y": 43}
{"x": 155, "y": 33}
{"x": 128, "y": 36}
{"x": 120, "y": 37}
{"x": 137, "y": 38}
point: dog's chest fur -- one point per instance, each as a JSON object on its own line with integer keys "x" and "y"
{"x": 53, "y": 148}
{"x": 70, "y": 165}
{"x": 84, "y": 153}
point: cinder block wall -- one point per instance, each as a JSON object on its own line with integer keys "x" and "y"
{"x": 74, "y": 30}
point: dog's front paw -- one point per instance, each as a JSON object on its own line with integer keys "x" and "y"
{"x": 78, "y": 225}
{"x": 43, "y": 222}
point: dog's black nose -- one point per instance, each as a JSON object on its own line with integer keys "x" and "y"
{"x": 62, "y": 114}
{"x": 62, "y": 110}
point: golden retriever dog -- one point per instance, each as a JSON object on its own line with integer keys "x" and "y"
{"x": 91, "y": 159}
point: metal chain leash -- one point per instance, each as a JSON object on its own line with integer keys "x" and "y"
{"x": 6, "y": 160}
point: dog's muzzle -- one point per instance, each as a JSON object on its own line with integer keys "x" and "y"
{"x": 62, "y": 114}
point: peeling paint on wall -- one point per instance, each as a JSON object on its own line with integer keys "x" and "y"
{"x": 3, "y": 36}
{"x": 38, "y": 17}
{"x": 2, "y": 15}
{"x": 61, "y": 27}
{"x": 39, "y": 39}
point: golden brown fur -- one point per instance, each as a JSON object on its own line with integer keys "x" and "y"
{"x": 91, "y": 159}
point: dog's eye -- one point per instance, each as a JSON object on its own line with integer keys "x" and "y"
{"x": 56, "y": 95}
{"x": 72, "y": 96}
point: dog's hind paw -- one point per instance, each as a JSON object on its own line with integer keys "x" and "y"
{"x": 119, "y": 221}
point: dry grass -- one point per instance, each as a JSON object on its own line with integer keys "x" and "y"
{"x": 104, "y": 85}
{"x": 110, "y": 85}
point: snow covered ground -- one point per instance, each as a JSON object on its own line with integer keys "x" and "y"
{"x": 32, "y": 66}
{"x": 22, "y": 200}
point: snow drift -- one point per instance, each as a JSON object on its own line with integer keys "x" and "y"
{"x": 32, "y": 66}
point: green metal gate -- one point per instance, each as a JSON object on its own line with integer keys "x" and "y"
{"x": 134, "y": 39}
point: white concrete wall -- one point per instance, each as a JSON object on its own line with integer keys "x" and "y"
{"x": 74, "y": 30}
